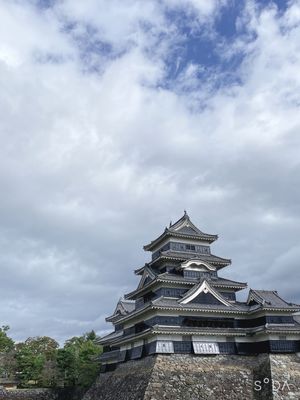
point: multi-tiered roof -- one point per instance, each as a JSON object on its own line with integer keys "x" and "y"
{"x": 182, "y": 305}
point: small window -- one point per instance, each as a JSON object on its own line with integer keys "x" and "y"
{"x": 164, "y": 347}
{"x": 190, "y": 247}
{"x": 206, "y": 348}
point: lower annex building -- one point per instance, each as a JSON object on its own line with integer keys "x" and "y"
{"x": 182, "y": 305}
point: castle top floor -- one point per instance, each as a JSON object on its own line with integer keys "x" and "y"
{"x": 183, "y": 231}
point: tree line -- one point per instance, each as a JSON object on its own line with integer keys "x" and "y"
{"x": 41, "y": 362}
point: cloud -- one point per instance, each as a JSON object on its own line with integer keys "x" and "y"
{"x": 26, "y": 33}
{"x": 101, "y": 147}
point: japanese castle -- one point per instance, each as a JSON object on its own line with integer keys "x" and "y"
{"x": 182, "y": 305}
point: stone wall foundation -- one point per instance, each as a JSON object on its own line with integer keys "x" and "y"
{"x": 191, "y": 377}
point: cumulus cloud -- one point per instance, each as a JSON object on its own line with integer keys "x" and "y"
{"x": 101, "y": 146}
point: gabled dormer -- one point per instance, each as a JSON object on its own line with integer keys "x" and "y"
{"x": 148, "y": 276}
{"x": 123, "y": 308}
{"x": 269, "y": 299}
{"x": 204, "y": 293}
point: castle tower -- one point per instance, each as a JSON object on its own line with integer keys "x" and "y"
{"x": 183, "y": 305}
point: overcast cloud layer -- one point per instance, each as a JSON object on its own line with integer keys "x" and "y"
{"x": 117, "y": 115}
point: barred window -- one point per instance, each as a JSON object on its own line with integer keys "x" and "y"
{"x": 279, "y": 319}
{"x": 136, "y": 352}
{"x": 171, "y": 292}
{"x": 176, "y": 246}
{"x": 227, "y": 347}
{"x": 183, "y": 347}
{"x": 284, "y": 346}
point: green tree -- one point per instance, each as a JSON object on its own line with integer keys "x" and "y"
{"x": 77, "y": 361}
{"x": 29, "y": 365}
{"x": 40, "y": 362}
{"x": 6, "y": 343}
{"x": 7, "y": 354}
{"x": 67, "y": 361}
{"x": 42, "y": 345}
{"x": 88, "y": 365}
{"x": 49, "y": 376}
{"x": 36, "y": 362}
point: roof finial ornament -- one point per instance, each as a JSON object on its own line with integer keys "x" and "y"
{"x": 185, "y": 213}
{"x": 170, "y": 224}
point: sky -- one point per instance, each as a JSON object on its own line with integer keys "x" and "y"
{"x": 115, "y": 116}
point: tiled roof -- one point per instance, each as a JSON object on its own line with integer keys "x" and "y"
{"x": 218, "y": 281}
{"x": 176, "y": 255}
{"x": 283, "y": 328}
{"x": 186, "y": 330}
{"x": 128, "y": 305}
{"x": 239, "y": 331}
{"x": 110, "y": 336}
{"x": 235, "y": 306}
{"x": 184, "y": 223}
{"x": 173, "y": 303}
{"x": 227, "y": 282}
{"x": 182, "y": 228}
{"x": 169, "y": 277}
{"x": 193, "y": 330}
{"x": 245, "y": 307}
{"x": 270, "y": 299}
{"x": 123, "y": 307}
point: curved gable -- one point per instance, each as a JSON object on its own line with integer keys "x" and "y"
{"x": 197, "y": 264}
{"x": 203, "y": 288}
